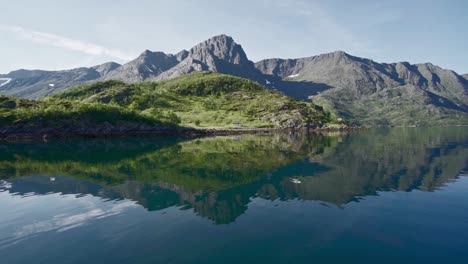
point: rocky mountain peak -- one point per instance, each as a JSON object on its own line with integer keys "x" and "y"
{"x": 146, "y": 52}
{"x": 339, "y": 57}
{"x": 221, "y": 47}
{"x": 105, "y": 68}
{"x": 148, "y": 55}
{"x": 182, "y": 55}
{"x": 217, "y": 54}
{"x": 148, "y": 65}
{"x": 339, "y": 53}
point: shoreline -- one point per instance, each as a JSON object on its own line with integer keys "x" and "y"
{"x": 189, "y": 132}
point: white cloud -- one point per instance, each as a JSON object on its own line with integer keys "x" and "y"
{"x": 65, "y": 43}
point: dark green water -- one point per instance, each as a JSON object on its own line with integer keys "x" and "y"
{"x": 390, "y": 195}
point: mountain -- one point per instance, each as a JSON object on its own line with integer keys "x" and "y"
{"x": 35, "y": 84}
{"x": 465, "y": 76}
{"x": 218, "y": 54}
{"x": 148, "y": 65}
{"x": 359, "y": 89}
{"x": 372, "y": 93}
{"x": 105, "y": 68}
{"x": 363, "y": 76}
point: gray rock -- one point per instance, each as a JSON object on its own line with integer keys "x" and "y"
{"x": 105, "y": 68}
{"x": 371, "y": 93}
{"x": 148, "y": 65}
{"x": 360, "y": 78}
{"x": 218, "y": 54}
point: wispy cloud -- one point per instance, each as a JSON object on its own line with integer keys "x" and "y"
{"x": 64, "y": 42}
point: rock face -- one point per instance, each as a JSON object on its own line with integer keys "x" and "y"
{"x": 363, "y": 77}
{"x": 374, "y": 93}
{"x": 218, "y": 54}
{"x": 35, "y": 84}
{"x": 465, "y": 76}
{"x": 105, "y": 68}
{"x": 148, "y": 65}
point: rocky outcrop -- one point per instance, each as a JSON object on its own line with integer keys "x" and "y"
{"x": 218, "y": 54}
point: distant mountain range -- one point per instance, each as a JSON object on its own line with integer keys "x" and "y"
{"x": 35, "y": 84}
{"x": 358, "y": 89}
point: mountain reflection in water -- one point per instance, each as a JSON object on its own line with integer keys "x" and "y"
{"x": 218, "y": 177}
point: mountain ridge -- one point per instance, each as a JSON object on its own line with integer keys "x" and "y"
{"x": 348, "y": 85}
{"x": 217, "y": 54}
{"x": 358, "y": 88}
{"x": 35, "y": 84}
{"x": 149, "y": 64}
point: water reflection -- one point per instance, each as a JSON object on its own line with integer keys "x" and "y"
{"x": 218, "y": 177}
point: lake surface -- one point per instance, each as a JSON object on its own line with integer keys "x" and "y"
{"x": 384, "y": 195}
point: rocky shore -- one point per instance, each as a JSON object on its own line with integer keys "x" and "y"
{"x": 105, "y": 130}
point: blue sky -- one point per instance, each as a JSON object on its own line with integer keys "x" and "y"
{"x": 57, "y": 34}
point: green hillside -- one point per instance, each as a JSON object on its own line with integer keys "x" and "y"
{"x": 200, "y": 100}
{"x": 203, "y": 100}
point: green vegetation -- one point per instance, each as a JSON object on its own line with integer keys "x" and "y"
{"x": 199, "y": 100}
{"x": 28, "y": 111}
{"x": 22, "y": 116}
{"x": 203, "y": 100}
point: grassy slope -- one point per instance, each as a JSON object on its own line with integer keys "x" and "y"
{"x": 24, "y": 112}
{"x": 202, "y": 100}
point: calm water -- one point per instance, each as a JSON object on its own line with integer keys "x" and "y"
{"x": 398, "y": 195}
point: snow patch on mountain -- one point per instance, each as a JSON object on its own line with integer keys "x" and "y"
{"x": 293, "y": 76}
{"x": 5, "y": 80}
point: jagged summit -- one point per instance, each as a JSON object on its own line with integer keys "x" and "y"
{"x": 217, "y": 54}
{"x": 222, "y": 47}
